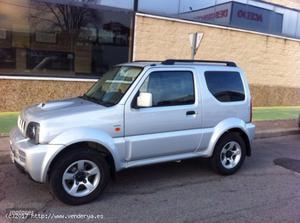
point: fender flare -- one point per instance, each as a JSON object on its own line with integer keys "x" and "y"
{"x": 78, "y": 135}
{"x": 223, "y": 127}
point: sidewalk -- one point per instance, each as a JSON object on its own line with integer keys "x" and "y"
{"x": 264, "y": 129}
{"x": 267, "y": 129}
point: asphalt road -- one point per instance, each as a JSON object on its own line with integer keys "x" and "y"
{"x": 177, "y": 192}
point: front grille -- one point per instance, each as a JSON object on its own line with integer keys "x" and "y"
{"x": 22, "y": 158}
{"x": 21, "y": 153}
{"x": 22, "y": 126}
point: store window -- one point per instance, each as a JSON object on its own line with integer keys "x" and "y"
{"x": 63, "y": 38}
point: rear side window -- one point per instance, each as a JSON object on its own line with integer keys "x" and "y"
{"x": 225, "y": 86}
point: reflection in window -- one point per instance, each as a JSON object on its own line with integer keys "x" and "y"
{"x": 7, "y": 58}
{"x": 79, "y": 38}
{"x": 50, "y": 61}
{"x": 225, "y": 86}
{"x": 170, "y": 88}
{"x": 113, "y": 85}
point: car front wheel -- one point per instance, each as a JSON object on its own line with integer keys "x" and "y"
{"x": 79, "y": 176}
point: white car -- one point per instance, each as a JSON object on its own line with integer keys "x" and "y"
{"x": 137, "y": 114}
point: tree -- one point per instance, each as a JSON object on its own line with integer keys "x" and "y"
{"x": 65, "y": 17}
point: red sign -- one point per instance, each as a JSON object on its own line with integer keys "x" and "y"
{"x": 250, "y": 15}
{"x": 214, "y": 15}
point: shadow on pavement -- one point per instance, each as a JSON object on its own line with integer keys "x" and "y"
{"x": 288, "y": 163}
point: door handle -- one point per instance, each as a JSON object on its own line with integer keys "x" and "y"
{"x": 190, "y": 113}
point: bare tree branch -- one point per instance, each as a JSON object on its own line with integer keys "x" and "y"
{"x": 56, "y": 15}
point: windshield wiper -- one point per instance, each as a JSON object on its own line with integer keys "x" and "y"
{"x": 97, "y": 101}
{"x": 89, "y": 98}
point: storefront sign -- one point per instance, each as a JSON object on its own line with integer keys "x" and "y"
{"x": 239, "y": 15}
{"x": 219, "y": 14}
{"x": 256, "y": 18}
{"x": 250, "y": 15}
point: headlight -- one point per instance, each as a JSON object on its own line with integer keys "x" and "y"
{"x": 33, "y": 131}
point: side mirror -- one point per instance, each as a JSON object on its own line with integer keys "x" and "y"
{"x": 144, "y": 100}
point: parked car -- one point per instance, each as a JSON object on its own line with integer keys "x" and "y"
{"x": 137, "y": 114}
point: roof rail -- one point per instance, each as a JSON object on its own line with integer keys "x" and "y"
{"x": 146, "y": 61}
{"x": 173, "y": 61}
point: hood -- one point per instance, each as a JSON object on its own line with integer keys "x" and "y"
{"x": 59, "y": 108}
{"x": 56, "y": 117}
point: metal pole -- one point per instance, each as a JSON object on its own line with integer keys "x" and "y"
{"x": 179, "y": 6}
{"x": 135, "y": 5}
{"x": 194, "y": 45}
{"x": 132, "y": 31}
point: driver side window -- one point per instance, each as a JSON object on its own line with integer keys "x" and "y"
{"x": 170, "y": 88}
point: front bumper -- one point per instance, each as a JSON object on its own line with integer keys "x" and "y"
{"x": 33, "y": 158}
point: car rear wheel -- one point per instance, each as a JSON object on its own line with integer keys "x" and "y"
{"x": 229, "y": 154}
{"x": 79, "y": 176}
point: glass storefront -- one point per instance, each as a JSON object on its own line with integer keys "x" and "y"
{"x": 63, "y": 38}
{"x": 84, "y": 38}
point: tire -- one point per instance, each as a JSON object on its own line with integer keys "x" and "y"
{"x": 88, "y": 184}
{"x": 230, "y": 164}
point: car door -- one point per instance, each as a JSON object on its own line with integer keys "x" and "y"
{"x": 172, "y": 125}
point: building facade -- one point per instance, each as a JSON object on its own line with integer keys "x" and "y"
{"x": 57, "y": 49}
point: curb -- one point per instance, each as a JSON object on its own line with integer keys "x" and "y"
{"x": 276, "y": 133}
{"x": 4, "y": 135}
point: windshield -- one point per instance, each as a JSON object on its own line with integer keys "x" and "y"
{"x": 109, "y": 90}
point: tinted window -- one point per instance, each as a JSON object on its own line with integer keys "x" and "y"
{"x": 170, "y": 88}
{"x": 225, "y": 86}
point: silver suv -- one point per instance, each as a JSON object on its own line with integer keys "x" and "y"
{"x": 137, "y": 114}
